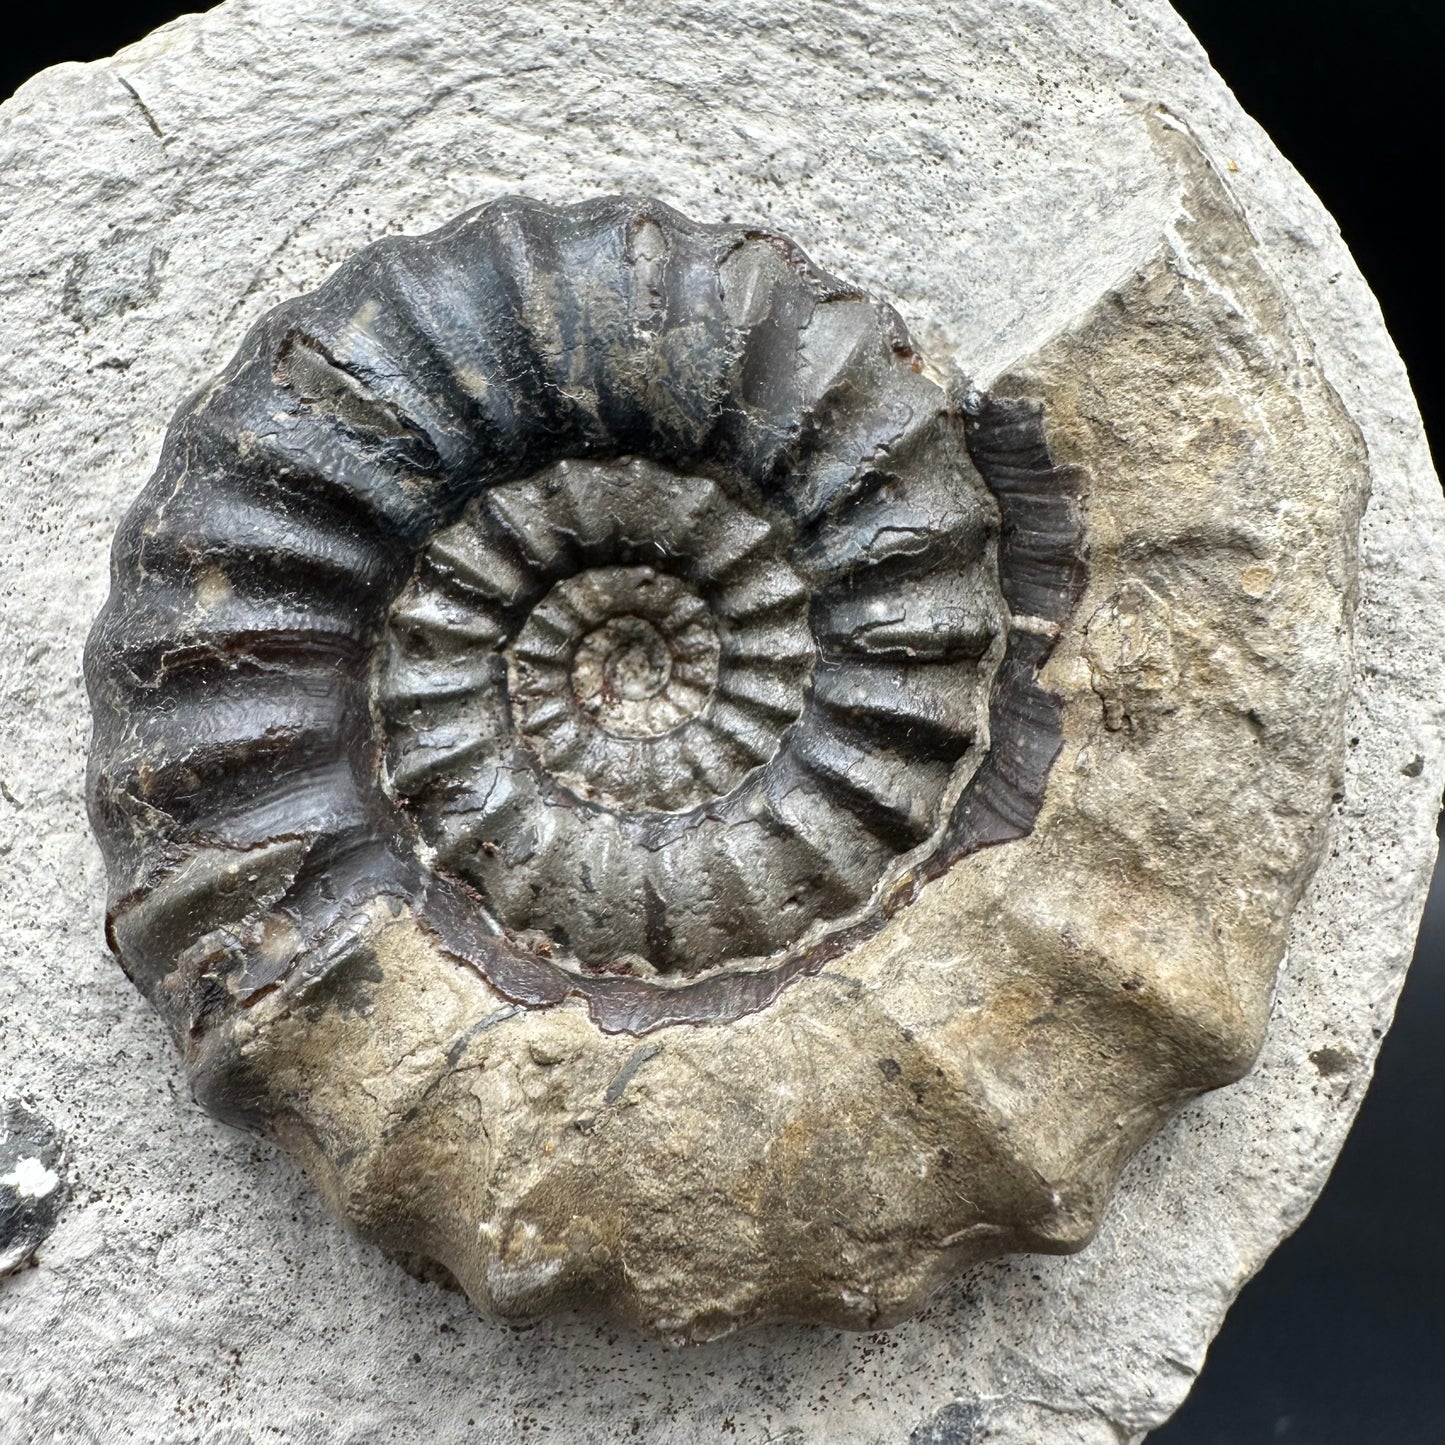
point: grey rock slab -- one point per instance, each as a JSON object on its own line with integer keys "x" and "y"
{"x": 987, "y": 169}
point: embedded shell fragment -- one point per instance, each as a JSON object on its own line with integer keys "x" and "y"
{"x": 612, "y": 759}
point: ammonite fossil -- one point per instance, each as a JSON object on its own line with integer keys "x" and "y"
{"x": 551, "y": 693}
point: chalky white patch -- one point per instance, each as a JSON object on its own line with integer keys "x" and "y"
{"x": 31, "y": 1179}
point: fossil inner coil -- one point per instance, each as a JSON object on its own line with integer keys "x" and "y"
{"x": 655, "y": 722}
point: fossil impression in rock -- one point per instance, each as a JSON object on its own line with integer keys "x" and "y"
{"x": 622, "y": 766}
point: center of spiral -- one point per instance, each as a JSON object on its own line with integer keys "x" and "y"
{"x": 607, "y": 669}
{"x": 622, "y": 662}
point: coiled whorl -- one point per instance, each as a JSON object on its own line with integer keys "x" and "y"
{"x": 615, "y": 592}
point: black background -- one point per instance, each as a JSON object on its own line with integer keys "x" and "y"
{"x": 1341, "y": 1338}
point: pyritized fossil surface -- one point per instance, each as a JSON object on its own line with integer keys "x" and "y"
{"x": 616, "y": 591}
{"x": 607, "y": 752}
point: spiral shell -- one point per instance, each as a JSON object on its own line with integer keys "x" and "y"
{"x": 624, "y": 596}
{"x": 621, "y": 767}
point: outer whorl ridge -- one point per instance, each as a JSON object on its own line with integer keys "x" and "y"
{"x": 615, "y": 592}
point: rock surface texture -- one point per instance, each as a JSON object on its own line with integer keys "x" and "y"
{"x": 1064, "y": 206}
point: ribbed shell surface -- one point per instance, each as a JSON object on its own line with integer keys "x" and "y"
{"x": 618, "y": 593}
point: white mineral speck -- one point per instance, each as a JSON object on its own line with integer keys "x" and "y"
{"x": 30, "y": 1179}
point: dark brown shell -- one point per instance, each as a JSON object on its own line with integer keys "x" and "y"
{"x": 620, "y": 594}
